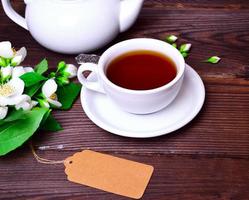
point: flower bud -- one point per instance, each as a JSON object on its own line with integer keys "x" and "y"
{"x": 16, "y": 61}
{"x": 6, "y": 72}
{"x": 6, "y": 50}
{"x": 61, "y": 65}
{"x": 71, "y": 70}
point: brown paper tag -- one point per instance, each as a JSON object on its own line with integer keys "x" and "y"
{"x": 109, "y": 173}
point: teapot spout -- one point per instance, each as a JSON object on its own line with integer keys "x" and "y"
{"x": 129, "y": 11}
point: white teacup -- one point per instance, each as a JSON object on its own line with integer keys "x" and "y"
{"x": 135, "y": 101}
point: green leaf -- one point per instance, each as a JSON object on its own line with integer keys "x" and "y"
{"x": 61, "y": 80}
{"x": 52, "y": 75}
{"x": 32, "y": 90}
{"x": 42, "y": 67}
{"x": 171, "y": 39}
{"x": 65, "y": 74}
{"x": 45, "y": 117}
{"x": 8, "y": 61}
{"x": 43, "y": 102}
{"x": 213, "y": 59}
{"x": 2, "y": 62}
{"x": 32, "y": 78}
{"x": 174, "y": 45}
{"x": 14, "y": 134}
{"x": 67, "y": 94}
{"x": 14, "y": 115}
{"x": 6, "y": 79}
{"x": 51, "y": 124}
{"x": 185, "y": 55}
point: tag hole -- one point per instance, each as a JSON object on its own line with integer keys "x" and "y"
{"x": 70, "y": 162}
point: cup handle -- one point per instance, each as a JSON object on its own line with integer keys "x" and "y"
{"x": 91, "y": 85}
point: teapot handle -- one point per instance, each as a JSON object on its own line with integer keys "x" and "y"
{"x": 13, "y": 15}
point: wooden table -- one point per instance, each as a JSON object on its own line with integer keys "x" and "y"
{"x": 208, "y": 159}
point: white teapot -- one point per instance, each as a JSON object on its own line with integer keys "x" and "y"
{"x": 75, "y": 26}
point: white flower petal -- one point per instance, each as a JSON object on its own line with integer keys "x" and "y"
{"x": 54, "y": 102}
{"x": 16, "y": 61}
{"x": 14, "y": 100}
{"x": 49, "y": 88}
{"x": 18, "y": 85}
{"x": 28, "y": 69}
{"x": 72, "y": 70}
{"x": 6, "y": 71}
{"x": 18, "y": 71}
{"x": 3, "y": 112}
{"x": 22, "y": 52}
{"x": 27, "y": 104}
{"x": 24, "y": 105}
{"x": 3, "y": 101}
{"x": 5, "y": 50}
{"x": 18, "y": 99}
{"x": 26, "y": 98}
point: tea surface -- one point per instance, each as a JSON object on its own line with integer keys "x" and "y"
{"x": 141, "y": 70}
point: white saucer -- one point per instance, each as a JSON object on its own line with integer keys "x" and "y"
{"x": 109, "y": 117}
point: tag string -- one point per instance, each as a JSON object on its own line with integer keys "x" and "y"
{"x": 43, "y": 160}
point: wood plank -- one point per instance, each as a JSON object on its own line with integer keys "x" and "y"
{"x": 189, "y": 177}
{"x": 206, "y": 160}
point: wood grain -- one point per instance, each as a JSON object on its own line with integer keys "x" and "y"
{"x": 208, "y": 159}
